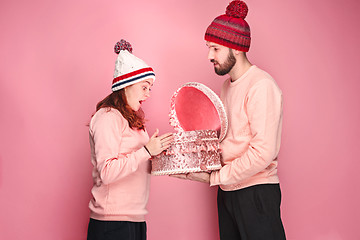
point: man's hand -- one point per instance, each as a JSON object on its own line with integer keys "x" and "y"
{"x": 199, "y": 176}
{"x": 181, "y": 176}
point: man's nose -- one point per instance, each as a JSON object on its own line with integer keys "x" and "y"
{"x": 210, "y": 56}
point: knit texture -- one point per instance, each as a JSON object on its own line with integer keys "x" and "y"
{"x": 231, "y": 29}
{"x": 253, "y": 105}
{"x": 121, "y": 170}
{"x": 129, "y": 69}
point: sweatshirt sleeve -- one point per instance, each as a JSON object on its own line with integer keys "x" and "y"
{"x": 107, "y": 132}
{"x": 263, "y": 105}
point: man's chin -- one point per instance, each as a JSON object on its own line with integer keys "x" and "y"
{"x": 219, "y": 72}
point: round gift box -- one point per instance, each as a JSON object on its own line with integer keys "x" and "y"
{"x": 199, "y": 117}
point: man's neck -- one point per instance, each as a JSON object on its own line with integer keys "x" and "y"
{"x": 241, "y": 66}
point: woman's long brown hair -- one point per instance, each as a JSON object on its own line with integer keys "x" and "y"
{"x": 118, "y": 101}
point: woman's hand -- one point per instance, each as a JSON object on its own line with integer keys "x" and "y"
{"x": 157, "y": 144}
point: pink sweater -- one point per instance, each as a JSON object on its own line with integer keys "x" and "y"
{"x": 121, "y": 170}
{"x": 249, "y": 151}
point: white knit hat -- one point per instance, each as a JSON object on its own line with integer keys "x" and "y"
{"x": 128, "y": 68}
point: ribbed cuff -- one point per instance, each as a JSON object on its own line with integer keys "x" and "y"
{"x": 214, "y": 178}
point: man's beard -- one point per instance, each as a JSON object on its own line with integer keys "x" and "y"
{"x": 226, "y": 67}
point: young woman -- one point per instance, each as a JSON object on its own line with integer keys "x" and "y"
{"x": 120, "y": 152}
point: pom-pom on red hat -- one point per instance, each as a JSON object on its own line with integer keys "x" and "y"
{"x": 231, "y": 29}
{"x": 129, "y": 69}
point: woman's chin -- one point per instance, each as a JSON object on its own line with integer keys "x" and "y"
{"x": 137, "y": 108}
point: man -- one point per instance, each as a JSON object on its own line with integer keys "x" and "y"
{"x": 249, "y": 194}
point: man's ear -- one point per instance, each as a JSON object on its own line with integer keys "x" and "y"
{"x": 237, "y": 52}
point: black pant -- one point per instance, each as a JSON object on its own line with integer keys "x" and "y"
{"x": 116, "y": 230}
{"x": 251, "y": 213}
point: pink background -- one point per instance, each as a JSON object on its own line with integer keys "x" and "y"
{"x": 57, "y": 62}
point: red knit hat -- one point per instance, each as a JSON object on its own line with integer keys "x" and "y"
{"x": 231, "y": 29}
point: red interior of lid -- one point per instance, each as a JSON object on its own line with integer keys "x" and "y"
{"x": 195, "y": 111}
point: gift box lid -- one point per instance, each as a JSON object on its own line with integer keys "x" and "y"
{"x": 194, "y": 106}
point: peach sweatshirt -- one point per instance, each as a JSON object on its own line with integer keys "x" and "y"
{"x": 253, "y": 105}
{"x": 121, "y": 170}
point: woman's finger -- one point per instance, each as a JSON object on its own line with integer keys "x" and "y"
{"x": 166, "y": 136}
{"x": 155, "y": 133}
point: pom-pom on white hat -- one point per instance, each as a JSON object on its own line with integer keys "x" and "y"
{"x": 128, "y": 68}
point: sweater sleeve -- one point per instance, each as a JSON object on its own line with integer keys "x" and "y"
{"x": 264, "y": 110}
{"x": 111, "y": 164}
